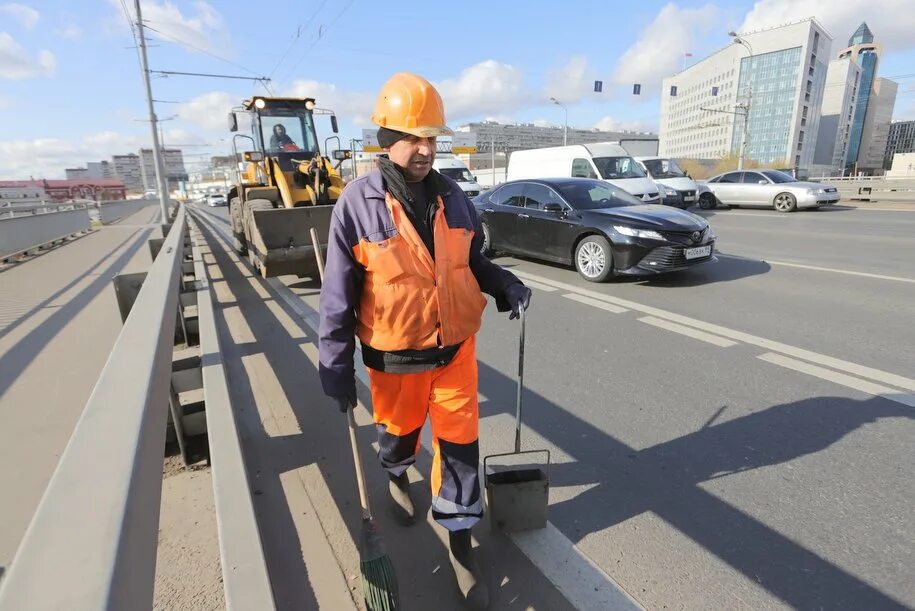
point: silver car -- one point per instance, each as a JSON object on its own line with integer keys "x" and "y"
{"x": 769, "y": 189}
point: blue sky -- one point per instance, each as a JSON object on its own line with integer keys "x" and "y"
{"x": 70, "y": 87}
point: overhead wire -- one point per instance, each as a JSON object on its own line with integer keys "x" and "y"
{"x": 295, "y": 38}
{"x": 321, "y": 32}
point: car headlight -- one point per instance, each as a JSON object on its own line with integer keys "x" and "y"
{"x": 670, "y": 192}
{"x": 638, "y": 233}
{"x": 815, "y": 191}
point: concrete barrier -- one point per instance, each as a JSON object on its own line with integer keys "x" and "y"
{"x": 112, "y": 211}
{"x": 24, "y": 233}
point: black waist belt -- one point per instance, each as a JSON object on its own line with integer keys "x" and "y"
{"x": 408, "y": 361}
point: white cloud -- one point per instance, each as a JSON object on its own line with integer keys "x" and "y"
{"x": 204, "y": 28}
{"x": 210, "y": 110}
{"x": 613, "y": 125}
{"x": 543, "y": 123}
{"x": 889, "y": 20}
{"x": 354, "y": 106}
{"x": 25, "y": 14}
{"x": 71, "y": 32}
{"x": 572, "y": 82}
{"x": 15, "y": 62}
{"x": 487, "y": 87}
{"x": 47, "y": 157}
{"x": 661, "y": 45}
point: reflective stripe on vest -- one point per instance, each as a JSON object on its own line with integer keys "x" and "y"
{"x": 409, "y": 300}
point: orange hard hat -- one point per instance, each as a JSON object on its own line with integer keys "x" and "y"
{"x": 409, "y": 103}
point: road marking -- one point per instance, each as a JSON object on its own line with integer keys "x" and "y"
{"x": 688, "y": 331}
{"x": 603, "y": 305}
{"x": 840, "y": 378}
{"x": 579, "y": 578}
{"x": 536, "y": 285}
{"x": 823, "y": 269}
{"x": 739, "y": 336}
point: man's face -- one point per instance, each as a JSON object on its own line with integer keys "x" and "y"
{"x": 415, "y": 155}
{"x": 279, "y": 130}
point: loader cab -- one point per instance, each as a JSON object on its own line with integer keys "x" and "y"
{"x": 284, "y": 129}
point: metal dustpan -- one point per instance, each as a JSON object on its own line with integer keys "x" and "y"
{"x": 517, "y": 493}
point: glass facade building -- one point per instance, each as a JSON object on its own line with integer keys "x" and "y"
{"x": 772, "y": 80}
{"x": 867, "y": 59}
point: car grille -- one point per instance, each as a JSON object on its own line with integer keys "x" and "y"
{"x": 830, "y": 189}
{"x": 686, "y": 237}
{"x": 471, "y": 193}
{"x": 667, "y": 257}
{"x": 688, "y": 193}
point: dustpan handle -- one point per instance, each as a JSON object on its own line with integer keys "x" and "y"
{"x": 520, "y": 381}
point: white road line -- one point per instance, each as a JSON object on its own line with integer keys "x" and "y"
{"x": 584, "y": 584}
{"x": 603, "y": 305}
{"x": 824, "y": 269}
{"x": 739, "y": 336}
{"x": 840, "y": 378}
{"x": 688, "y": 331}
{"x": 541, "y": 287}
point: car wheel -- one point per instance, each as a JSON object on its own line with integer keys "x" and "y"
{"x": 707, "y": 201}
{"x": 785, "y": 202}
{"x": 486, "y": 249}
{"x": 594, "y": 259}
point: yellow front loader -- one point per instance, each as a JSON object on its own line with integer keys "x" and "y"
{"x": 287, "y": 186}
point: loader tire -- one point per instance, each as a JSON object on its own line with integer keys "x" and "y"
{"x": 251, "y": 206}
{"x": 240, "y": 243}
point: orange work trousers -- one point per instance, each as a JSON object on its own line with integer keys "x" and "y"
{"x": 448, "y": 395}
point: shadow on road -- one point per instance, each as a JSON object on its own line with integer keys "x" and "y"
{"x": 664, "y": 479}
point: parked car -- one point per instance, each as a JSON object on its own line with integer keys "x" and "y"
{"x": 215, "y": 199}
{"x": 598, "y": 228}
{"x": 677, "y": 189}
{"x": 706, "y": 198}
{"x": 769, "y": 189}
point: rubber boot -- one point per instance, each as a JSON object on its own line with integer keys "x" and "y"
{"x": 402, "y": 503}
{"x": 467, "y": 571}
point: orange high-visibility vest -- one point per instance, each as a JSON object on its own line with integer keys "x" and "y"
{"x": 409, "y": 300}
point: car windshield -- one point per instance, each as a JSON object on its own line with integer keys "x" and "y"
{"x": 457, "y": 174}
{"x": 593, "y": 195}
{"x": 663, "y": 168}
{"x": 778, "y": 177}
{"x": 618, "y": 167}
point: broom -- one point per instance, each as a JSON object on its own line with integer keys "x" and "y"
{"x": 379, "y": 584}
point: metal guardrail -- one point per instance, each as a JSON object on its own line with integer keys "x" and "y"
{"x": 92, "y": 542}
{"x": 246, "y": 580}
{"x": 22, "y": 234}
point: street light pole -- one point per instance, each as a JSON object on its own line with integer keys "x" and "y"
{"x": 744, "y": 134}
{"x": 565, "y": 125}
{"x": 157, "y": 157}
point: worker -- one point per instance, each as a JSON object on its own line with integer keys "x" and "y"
{"x": 406, "y": 275}
{"x": 280, "y": 140}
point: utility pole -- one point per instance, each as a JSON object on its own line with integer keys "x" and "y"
{"x": 492, "y": 158}
{"x": 157, "y": 155}
{"x": 744, "y": 136}
{"x": 565, "y": 125}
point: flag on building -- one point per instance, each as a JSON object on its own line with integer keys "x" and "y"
{"x": 688, "y": 54}
{"x": 636, "y": 89}
{"x": 673, "y": 91}
{"x": 598, "y": 86}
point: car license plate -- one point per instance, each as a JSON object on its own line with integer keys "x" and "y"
{"x": 689, "y": 198}
{"x": 698, "y": 252}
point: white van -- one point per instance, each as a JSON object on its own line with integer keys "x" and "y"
{"x": 454, "y": 168}
{"x": 677, "y": 189}
{"x": 606, "y": 160}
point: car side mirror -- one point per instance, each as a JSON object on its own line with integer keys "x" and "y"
{"x": 552, "y": 207}
{"x": 342, "y": 154}
{"x": 763, "y": 182}
{"x": 253, "y": 156}
{"x": 233, "y": 122}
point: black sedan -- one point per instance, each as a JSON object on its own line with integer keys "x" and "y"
{"x": 593, "y": 225}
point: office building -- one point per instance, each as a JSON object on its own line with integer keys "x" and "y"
{"x": 507, "y": 137}
{"x": 874, "y": 108}
{"x": 836, "y": 115}
{"x": 900, "y": 139}
{"x": 780, "y": 75}
{"x": 173, "y": 160}
{"x": 127, "y": 169}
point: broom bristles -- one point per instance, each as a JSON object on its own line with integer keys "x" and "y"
{"x": 379, "y": 584}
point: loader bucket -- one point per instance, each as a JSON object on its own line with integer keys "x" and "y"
{"x": 280, "y": 239}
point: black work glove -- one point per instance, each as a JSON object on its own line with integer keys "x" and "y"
{"x": 518, "y": 296}
{"x": 346, "y": 402}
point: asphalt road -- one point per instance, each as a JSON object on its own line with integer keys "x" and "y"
{"x": 738, "y": 435}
